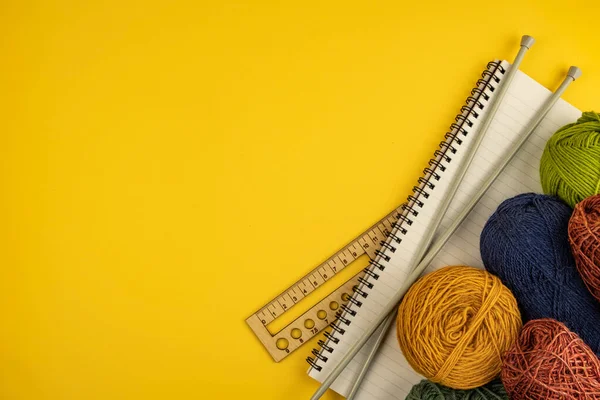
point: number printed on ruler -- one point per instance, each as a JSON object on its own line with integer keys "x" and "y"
{"x": 319, "y": 316}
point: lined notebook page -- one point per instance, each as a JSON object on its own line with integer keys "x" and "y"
{"x": 390, "y": 376}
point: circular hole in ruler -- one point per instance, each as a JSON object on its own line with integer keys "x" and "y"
{"x": 309, "y": 324}
{"x": 345, "y": 296}
{"x": 282, "y": 343}
{"x": 334, "y": 305}
{"x": 296, "y": 333}
{"x": 322, "y": 314}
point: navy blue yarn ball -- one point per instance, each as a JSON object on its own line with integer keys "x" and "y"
{"x": 525, "y": 243}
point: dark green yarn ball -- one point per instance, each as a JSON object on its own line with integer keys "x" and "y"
{"x": 427, "y": 390}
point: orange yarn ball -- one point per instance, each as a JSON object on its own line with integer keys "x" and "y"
{"x": 548, "y": 361}
{"x": 584, "y": 237}
{"x": 455, "y": 324}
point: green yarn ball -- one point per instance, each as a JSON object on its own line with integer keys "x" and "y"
{"x": 570, "y": 165}
{"x": 427, "y": 390}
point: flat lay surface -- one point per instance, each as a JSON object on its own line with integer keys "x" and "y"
{"x": 170, "y": 167}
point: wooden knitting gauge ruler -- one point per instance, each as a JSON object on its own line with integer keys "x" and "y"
{"x": 319, "y": 316}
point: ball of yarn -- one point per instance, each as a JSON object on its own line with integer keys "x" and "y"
{"x": 427, "y": 390}
{"x": 525, "y": 243}
{"x": 584, "y": 236}
{"x": 454, "y": 325}
{"x": 548, "y": 361}
{"x": 570, "y": 164}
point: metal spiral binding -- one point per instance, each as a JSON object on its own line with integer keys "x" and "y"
{"x": 330, "y": 337}
{"x": 431, "y": 173}
{"x": 474, "y": 101}
{"x": 337, "y": 328}
{"x": 381, "y": 254}
{"x": 359, "y": 291}
{"x": 365, "y": 282}
{"x": 406, "y": 207}
{"x": 377, "y": 265}
{"x": 442, "y": 154}
{"x": 424, "y": 182}
{"x": 463, "y": 119}
{"x": 415, "y": 200}
{"x": 404, "y": 218}
{"x": 445, "y": 146}
{"x": 437, "y": 164}
{"x": 324, "y": 346}
{"x": 395, "y": 238}
{"x": 388, "y": 246}
{"x": 318, "y": 355}
{"x": 356, "y": 302}
{"x": 371, "y": 273}
{"x": 311, "y": 361}
{"x": 348, "y": 310}
{"x": 341, "y": 318}
{"x": 453, "y": 140}
{"x": 469, "y": 110}
{"x": 398, "y": 226}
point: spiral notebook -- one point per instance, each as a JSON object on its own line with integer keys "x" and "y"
{"x": 390, "y": 376}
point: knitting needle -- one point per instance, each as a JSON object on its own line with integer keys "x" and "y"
{"x": 572, "y": 75}
{"x": 526, "y": 43}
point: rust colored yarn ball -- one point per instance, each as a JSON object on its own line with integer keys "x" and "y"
{"x": 584, "y": 237}
{"x": 548, "y": 361}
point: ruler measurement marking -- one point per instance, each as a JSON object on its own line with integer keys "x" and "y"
{"x": 315, "y": 280}
{"x": 385, "y": 229}
{"x": 340, "y": 262}
{"x": 388, "y": 225}
{"x": 382, "y": 231}
{"x": 375, "y": 239}
{"x": 308, "y": 287}
{"x": 294, "y": 295}
{"x": 353, "y": 254}
{"x": 344, "y": 259}
{"x": 278, "y": 302}
{"x": 352, "y": 249}
{"x": 393, "y": 217}
{"x": 321, "y": 275}
{"x": 274, "y": 310}
{"x": 265, "y": 317}
{"x": 365, "y": 246}
{"x": 284, "y": 302}
{"x": 324, "y": 274}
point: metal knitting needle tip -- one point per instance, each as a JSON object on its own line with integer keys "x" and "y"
{"x": 527, "y": 41}
{"x": 574, "y": 72}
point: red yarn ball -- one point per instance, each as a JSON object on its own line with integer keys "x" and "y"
{"x": 584, "y": 236}
{"x": 548, "y": 361}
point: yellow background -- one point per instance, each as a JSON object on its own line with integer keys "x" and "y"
{"x": 168, "y": 167}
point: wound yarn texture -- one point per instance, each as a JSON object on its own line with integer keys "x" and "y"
{"x": 455, "y": 324}
{"x": 427, "y": 390}
{"x": 548, "y": 361}
{"x": 584, "y": 236}
{"x": 570, "y": 164}
{"x": 525, "y": 243}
